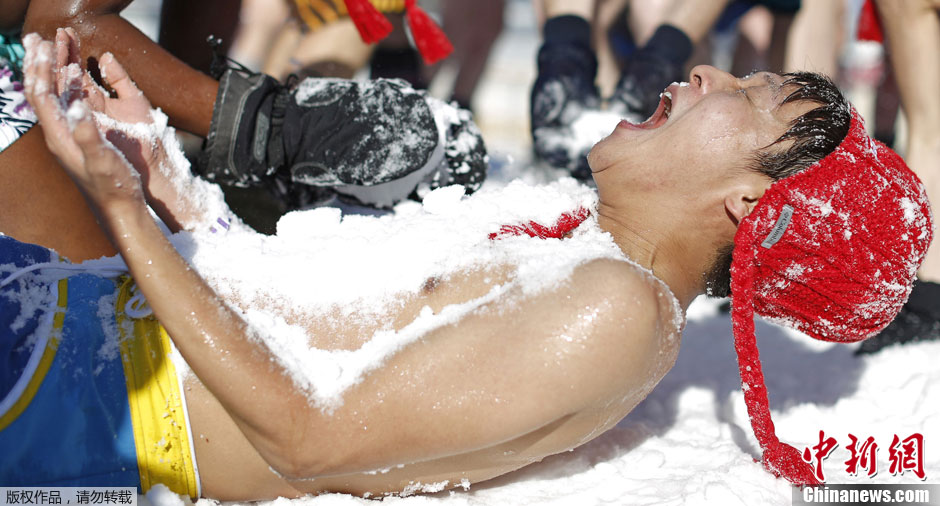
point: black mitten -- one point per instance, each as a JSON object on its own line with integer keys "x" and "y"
{"x": 339, "y": 134}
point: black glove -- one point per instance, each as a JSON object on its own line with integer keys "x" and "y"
{"x": 336, "y": 133}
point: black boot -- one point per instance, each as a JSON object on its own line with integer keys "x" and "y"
{"x": 649, "y": 71}
{"x": 563, "y": 91}
{"x": 918, "y": 320}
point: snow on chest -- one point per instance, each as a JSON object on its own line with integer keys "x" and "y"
{"x": 319, "y": 258}
{"x": 361, "y": 264}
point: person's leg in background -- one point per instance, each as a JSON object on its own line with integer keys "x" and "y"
{"x": 335, "y": 50}
{"x": 607, "y": 15}
{"x": 472, "y": 28}
{"x": 259, "y": 24}
{"x": 564, "y": 89}
{"x": 394, "y": 57}
{"x": 912, "y": 30}
{"x": 661, "y": 60}
{"x": 755, "y": 35}
{"x": 185, "y": 26}
{"x": 912, "y": 33}
{"x": 762, "y": 41}
{"x": 815, "y": 38}
{"x": 887, "y": 107}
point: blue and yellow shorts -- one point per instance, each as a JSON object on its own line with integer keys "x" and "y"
{"x": 88, "y": 396}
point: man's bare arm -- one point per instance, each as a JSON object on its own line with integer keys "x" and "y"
{"x": 513, "y": 367}
{"x": 160, "y": 75}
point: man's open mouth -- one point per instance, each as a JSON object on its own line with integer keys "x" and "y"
{"x": 661, "y": 115}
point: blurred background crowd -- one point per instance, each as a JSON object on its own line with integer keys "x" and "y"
{"x": 495, "y": 41}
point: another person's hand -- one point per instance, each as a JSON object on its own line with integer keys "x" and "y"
{"x": 128, "y": 123}
{"x": 116, "y": 116}
{"x": 106, "y": 179}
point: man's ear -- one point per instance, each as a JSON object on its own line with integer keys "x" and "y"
{"x": 741, "y": 201}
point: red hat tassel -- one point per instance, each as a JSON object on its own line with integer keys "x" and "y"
{"x": 779, "y": 458}
{"x": 430, "y": 39}
{"x": 371, "y": 24}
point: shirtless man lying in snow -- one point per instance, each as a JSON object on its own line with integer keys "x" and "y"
{"x": 831, "y": 250}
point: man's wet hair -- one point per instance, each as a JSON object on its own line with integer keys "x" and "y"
{"x": 813, "y": 135}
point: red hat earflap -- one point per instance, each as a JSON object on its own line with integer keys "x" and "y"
{"x": 781, "y": 459}
{"x": 371, "y": 24}
{"x": 431, "y": 41}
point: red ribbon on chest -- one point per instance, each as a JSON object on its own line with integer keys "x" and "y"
{"x": 567, "y": 222}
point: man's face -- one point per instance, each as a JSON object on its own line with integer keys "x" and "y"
{"x": 714, "y": 123}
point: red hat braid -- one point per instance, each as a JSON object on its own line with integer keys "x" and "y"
{"x": 371, "y": 24}
{"x": 431, "y": 41}
{"x": 779, "y": 458}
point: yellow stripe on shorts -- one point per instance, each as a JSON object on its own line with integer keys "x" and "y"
{"x": 164, "y": 454}
{"x": 45, "y": 362}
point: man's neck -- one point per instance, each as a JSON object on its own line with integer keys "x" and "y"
{"x": 651, "y": 247}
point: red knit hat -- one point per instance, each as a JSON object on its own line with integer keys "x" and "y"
{"x": 832, "y": 252}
